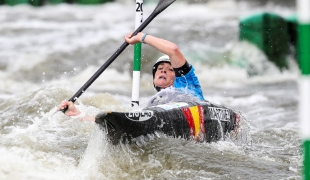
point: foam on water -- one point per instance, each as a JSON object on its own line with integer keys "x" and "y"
{"x": 48, "y": 53}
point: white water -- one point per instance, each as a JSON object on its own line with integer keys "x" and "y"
{"x": 48, "y": 53}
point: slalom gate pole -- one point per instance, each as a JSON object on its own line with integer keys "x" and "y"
{"x": 303, "y": 15}
{"x": 137, "y": 57}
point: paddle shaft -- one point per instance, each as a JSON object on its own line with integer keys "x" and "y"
{"x": 162, "y": 5}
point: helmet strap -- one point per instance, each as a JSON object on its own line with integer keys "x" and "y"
{"x": 158, "y": 88}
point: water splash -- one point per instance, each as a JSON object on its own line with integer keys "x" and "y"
{"x": 94, "y": 156}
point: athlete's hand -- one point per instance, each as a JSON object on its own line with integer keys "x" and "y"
{"x": 130, "y": 39}
{"x": 71, "y": 111}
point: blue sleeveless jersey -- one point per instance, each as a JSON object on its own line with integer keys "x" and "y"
{"x": 189, "y": 82}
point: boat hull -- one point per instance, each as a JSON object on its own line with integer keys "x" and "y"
{"x": 200, "y": 121}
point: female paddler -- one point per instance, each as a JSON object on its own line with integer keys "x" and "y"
{"x": 173, "y": 77}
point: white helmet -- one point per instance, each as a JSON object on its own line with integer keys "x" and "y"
{"x": 163, "y": 58}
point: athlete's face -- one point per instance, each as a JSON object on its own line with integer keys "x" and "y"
{"x": 164, "y": 75}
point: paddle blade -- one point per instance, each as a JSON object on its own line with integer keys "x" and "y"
{"x": 162, "y": 5}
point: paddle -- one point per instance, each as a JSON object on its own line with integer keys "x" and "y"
{"x": 161, "y": 5}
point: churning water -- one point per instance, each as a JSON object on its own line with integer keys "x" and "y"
{"x": 48, "y": 53}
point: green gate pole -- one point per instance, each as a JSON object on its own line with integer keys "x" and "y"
{"x": 137, "y": 58}
{"x": 303, "y": 15}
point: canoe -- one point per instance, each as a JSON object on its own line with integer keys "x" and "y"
{"x": 200, "y": 121}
